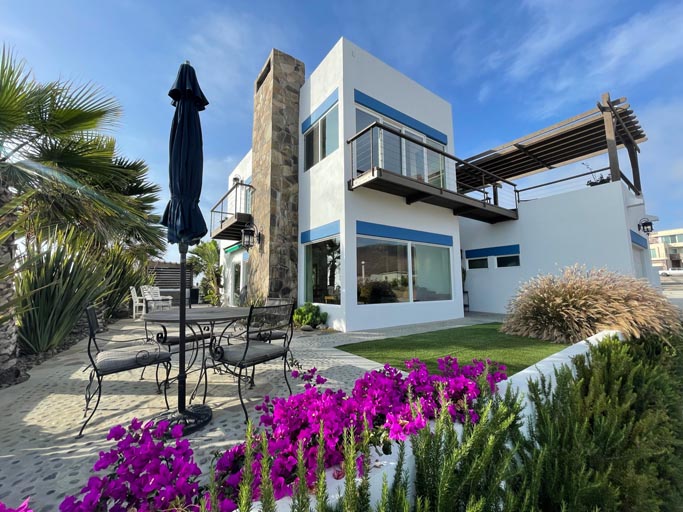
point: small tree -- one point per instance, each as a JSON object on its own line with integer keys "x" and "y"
{"x": 205, "y": 259}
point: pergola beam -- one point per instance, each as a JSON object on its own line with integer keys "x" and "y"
{"x": 610, "y": 138}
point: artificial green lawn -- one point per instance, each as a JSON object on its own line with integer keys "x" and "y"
{"x": 466, "y": 343}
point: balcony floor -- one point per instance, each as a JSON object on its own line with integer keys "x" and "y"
{"x": 231, "y": 227}
{"x": 416, "y": 191}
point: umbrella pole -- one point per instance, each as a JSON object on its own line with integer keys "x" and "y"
{"x": 195, "y": 417}
{"x": 182, "y": 377}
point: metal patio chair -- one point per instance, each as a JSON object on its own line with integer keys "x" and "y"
{"x": 109, "y": 362}
{"x": 267, "y": 337}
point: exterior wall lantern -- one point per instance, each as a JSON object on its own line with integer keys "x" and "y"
{"x": 250, "y": 236}
{"x": 645, "y": 225}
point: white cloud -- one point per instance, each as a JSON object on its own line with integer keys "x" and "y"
{"x": 228, "y": 51}
{"x": 556, "y": 24}
{"x": 627, "y": 55}
{"x": 484, "y": 92}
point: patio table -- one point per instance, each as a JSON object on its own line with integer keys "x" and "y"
{"x": 197, "y": 318}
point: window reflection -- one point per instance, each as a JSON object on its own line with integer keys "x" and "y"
{"x": 323, "y": 272}
{"x": 382, "y": 271}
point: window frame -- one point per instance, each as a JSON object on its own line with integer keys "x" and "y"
{"x": 410, "y": 132}
{"x": 409, "y": 261}
{"x": 485, "y": 258}
{"x": 519, "y": 260}
{"x": 319, "y": 125}
{"x": 341, "y": 259}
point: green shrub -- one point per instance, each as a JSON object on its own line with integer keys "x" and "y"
{"x": 579, "y": 303}
{"x": 53, "y": 290}
{"x": 466, "y": 471}
{"x": 309, "y": 314}
{"x": 604, "y": 437}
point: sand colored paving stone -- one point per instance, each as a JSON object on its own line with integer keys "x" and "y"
{"x": 41, "y": 458}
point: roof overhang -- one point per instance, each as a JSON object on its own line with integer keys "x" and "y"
{"x": 572, "y": 140}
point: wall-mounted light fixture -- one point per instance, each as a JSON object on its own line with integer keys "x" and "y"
{"x": 250, "y": 236}
{"x": 645, "y": 225}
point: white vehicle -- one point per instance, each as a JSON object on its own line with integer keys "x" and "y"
{"x": 671, "y": 272}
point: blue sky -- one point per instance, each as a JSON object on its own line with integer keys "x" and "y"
{"x": 508, "y": 68}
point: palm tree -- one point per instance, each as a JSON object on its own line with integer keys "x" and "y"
{"x": 205, "y": 259}
{"x": 59, "y": 171}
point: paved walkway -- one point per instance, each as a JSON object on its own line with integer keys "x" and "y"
{"x": 40, "y": 457}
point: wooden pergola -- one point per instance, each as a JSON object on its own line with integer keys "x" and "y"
{"x": 604, "y": 129}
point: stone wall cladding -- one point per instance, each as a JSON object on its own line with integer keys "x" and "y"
{"x": 275, "y": 177}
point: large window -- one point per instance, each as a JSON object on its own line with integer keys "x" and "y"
{"x": 384, "y": 274}
{"x": 431, "y": 272}
{"x": 322, "y": 138}
{"x": 393, "y": 153}
{"x": 382, "y": 271}
{"x": 323, "y": 271}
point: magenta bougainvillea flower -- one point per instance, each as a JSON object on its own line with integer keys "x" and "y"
{"x": 151, "y": 466}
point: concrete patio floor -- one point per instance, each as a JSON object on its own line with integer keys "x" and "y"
{"x": 40, "y": 457}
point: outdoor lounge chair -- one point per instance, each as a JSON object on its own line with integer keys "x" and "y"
{"x": 154, "y": 300}
{"x": 109, "y": 362}
{"x": 138, "y": 303}
{"x": 267, "y": 337}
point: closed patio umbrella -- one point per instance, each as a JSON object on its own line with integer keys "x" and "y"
{"x": 182, "y": 216}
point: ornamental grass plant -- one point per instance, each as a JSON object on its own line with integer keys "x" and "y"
{"x": 576, "y": 304}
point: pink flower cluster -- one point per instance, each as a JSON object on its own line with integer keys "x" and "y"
{"x": 145, "y": 473}
{"x": 385, "y": 400}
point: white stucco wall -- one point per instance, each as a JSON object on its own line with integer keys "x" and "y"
{"x": 243, "y": 171}
{"x": 588, "y": 226}
{"x": 324, "y": 197}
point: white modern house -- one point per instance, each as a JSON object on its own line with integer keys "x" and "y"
{"x": 352, "y": 198}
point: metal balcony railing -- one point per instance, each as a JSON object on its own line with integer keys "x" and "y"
{"x": 591, "y": 178}
{"x": 236, "y": 201}
{"x": 381, "y": 146}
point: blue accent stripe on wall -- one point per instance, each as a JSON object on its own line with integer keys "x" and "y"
{"x": 320, "y": 232}
{"x": 318, "y": 112}
{"x": 501, "y": 250}
{"x": 638, "y": 239}
{"x": 396, "y": 115}
{"x": 369, "y": 228}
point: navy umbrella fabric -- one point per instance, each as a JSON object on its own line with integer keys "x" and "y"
{"x": 182, "y": 216}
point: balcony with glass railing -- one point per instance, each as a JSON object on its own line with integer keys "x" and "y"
{"x": 232, "y": 213}
{"x": 389, "y": 161}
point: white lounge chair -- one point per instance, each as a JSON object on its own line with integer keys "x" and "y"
{"x": 138, "y": 303}
{"x": 154, "y": 299}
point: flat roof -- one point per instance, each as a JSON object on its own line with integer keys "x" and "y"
{"x": 574, "y": 139}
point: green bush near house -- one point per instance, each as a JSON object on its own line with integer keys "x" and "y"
{"x": 577, "y": 304}
{"x": 309, "y": 314}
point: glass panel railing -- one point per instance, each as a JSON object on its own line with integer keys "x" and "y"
{"x": 381, "y": 145}
{"x": 236, "y": 200}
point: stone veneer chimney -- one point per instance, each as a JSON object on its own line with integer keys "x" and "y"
{"x": 275, "y": 178}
